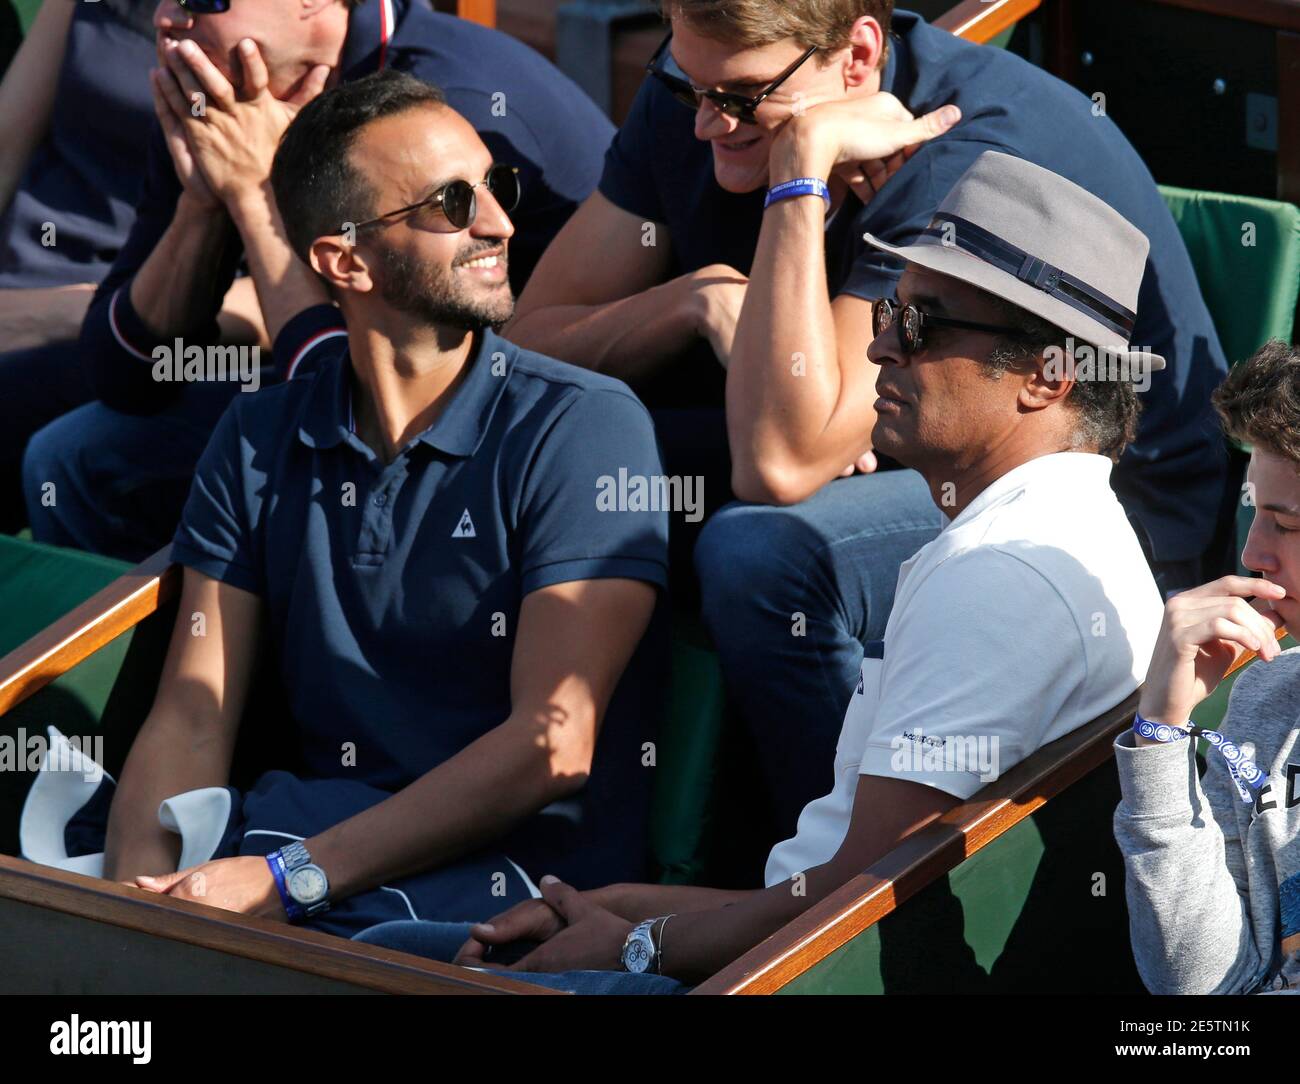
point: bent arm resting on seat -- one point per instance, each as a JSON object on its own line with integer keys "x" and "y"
{"x": 590, "y": 927}
{"x": 188, "y": 738}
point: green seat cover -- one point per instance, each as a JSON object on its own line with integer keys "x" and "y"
{"x": 686, "y": 757}
{"x": 1246, "y": 252}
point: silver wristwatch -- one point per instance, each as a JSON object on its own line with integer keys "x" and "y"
{"x": 641, "y": 954}
{"x": 305, "y": 882}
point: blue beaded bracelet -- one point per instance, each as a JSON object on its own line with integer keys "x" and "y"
{"x": 800, "y": 186}
{"x": 1240, "y": 767}
{"x": 291, "y": 906}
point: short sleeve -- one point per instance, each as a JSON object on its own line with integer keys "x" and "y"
{"x": 215, "y": 536}
{"x": 983, "y": 661}
{"x": 903, "y": 209}
{"x": 628, "y": 180}
{"x": 593, "y": 502}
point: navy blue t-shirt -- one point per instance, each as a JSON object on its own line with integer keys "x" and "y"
{"x": 393, "y": 592}
{"x": 1172, "y": 477}
{"x": 528, "y": 113}
{"x": 84, "y": 177}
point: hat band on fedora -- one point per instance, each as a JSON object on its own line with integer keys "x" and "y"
{"x": 1028, "y": 268}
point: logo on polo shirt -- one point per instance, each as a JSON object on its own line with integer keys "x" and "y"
{"x": 465, "y": 528}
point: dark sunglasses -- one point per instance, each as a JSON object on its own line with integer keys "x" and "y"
{"x": 205, "y": 7}
{"x": 733, "y": 105}
{"x": 458, "y": 201}
{"x": 912, "y": 324}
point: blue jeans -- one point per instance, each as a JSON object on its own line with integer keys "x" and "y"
{"x": 441, "y": 940}
{"x": 113, "y": 483}
{"x": 36, "y": 386}
{"x": 790, "y": 594}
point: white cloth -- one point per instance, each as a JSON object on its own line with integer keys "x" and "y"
{"x": 1031, "y": 613}
{"x": 68, "y": 779}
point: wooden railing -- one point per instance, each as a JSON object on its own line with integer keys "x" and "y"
{"x": 922, "y": 858}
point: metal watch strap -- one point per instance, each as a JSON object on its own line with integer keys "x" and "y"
{"x": 295, "y": 855}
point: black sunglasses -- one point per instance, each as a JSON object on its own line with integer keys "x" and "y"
{"x": 733, "y": 105}
{"x": 205, "y": 7}
{"x": 912, "y": 323}
{"x": 458, "y": 201}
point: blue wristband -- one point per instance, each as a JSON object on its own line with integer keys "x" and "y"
{"x": 1241, "y": 768}
{"x": 291, "y": 906}
{"x": 800, "y": 186}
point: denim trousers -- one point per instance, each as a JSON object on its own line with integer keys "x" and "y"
{"x": 37, "y": 385}
{"x": 115, "y": 484}
{"x": 441, "y": 940}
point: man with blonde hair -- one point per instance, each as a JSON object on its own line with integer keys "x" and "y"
{"x": 770, "y": 136}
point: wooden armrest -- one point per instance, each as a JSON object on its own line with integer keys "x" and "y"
{"x": 280, "y": 949}
{"x": 921, "y": 858}
{"x": 981, "y": 21}
{"x": 77, "y": 635}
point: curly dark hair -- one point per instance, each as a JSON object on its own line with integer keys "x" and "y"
{"x": 1108, "y": 409}
{"x": 1259, "y": 402}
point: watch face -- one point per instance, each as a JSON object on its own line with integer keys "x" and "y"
{"x": 307, "y": 884}
{"x": 636, "y": 957}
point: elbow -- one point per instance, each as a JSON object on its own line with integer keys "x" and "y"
{"x": 767, "y": 482}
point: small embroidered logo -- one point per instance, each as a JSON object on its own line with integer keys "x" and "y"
{"x": 465, "y": 528}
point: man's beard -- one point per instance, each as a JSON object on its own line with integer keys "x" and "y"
{"x": 436, "y": 295}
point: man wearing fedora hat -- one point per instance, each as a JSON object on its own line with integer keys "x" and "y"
{"x": 1032, "y": 612}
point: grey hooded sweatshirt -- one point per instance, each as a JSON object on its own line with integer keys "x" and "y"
{"x": 1213, "y": 883}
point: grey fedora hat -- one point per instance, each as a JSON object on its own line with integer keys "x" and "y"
{"x": 1029, "y": 236}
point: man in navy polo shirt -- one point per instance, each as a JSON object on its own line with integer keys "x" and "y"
{"x": 119, "y": 469}
{"x": 411, "y": 528}
{"x": 820, "y": 92}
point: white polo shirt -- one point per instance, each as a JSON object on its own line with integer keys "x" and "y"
{"x": 1030, "y": 614}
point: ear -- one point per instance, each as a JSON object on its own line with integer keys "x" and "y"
{"x": 342, "y": 265}
{"x": 866, "y": 48}
{"x": 1049, "y": 380}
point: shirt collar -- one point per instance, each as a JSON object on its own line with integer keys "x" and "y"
{"x": 371, "y": 27}
{"x": 460, "y": 428}
{"x": 1077, "y": 472}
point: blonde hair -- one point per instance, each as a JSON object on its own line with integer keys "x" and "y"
{"x": 753, "y": 24}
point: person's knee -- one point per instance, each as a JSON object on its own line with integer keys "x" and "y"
{"x": 46, "y": 467}
{"x": 748, "y": 555}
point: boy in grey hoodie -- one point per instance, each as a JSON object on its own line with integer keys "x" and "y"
{"x": 1213, "y": 864}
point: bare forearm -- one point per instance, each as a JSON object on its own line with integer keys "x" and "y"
{"x": 285, "y": 285}
{"x": 456, "y": 808}
{"x": 168, "y": 758}
{"x": 36, "y": 317}
{"x": 628, "y": 339}
{"x": 241, "y": 318}
{"x": 177, "y": 287}
{"x": 637, "y": 902}
{"x": 27, "y": 93}
{"x": 784, "y": 382}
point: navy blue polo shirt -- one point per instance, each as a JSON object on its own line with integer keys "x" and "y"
{"x": 85, "y": 174}
{"x": 393, "y": 592}
{"x": 1172, "y": 477}
{"x": 528, "y": 113}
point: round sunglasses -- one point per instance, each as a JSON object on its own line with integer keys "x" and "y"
{"x": 913, "y": 323}
{"x": 205, "y": 7}
{"x": 459, "y": 202}
{"x": 664, "y": 68}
